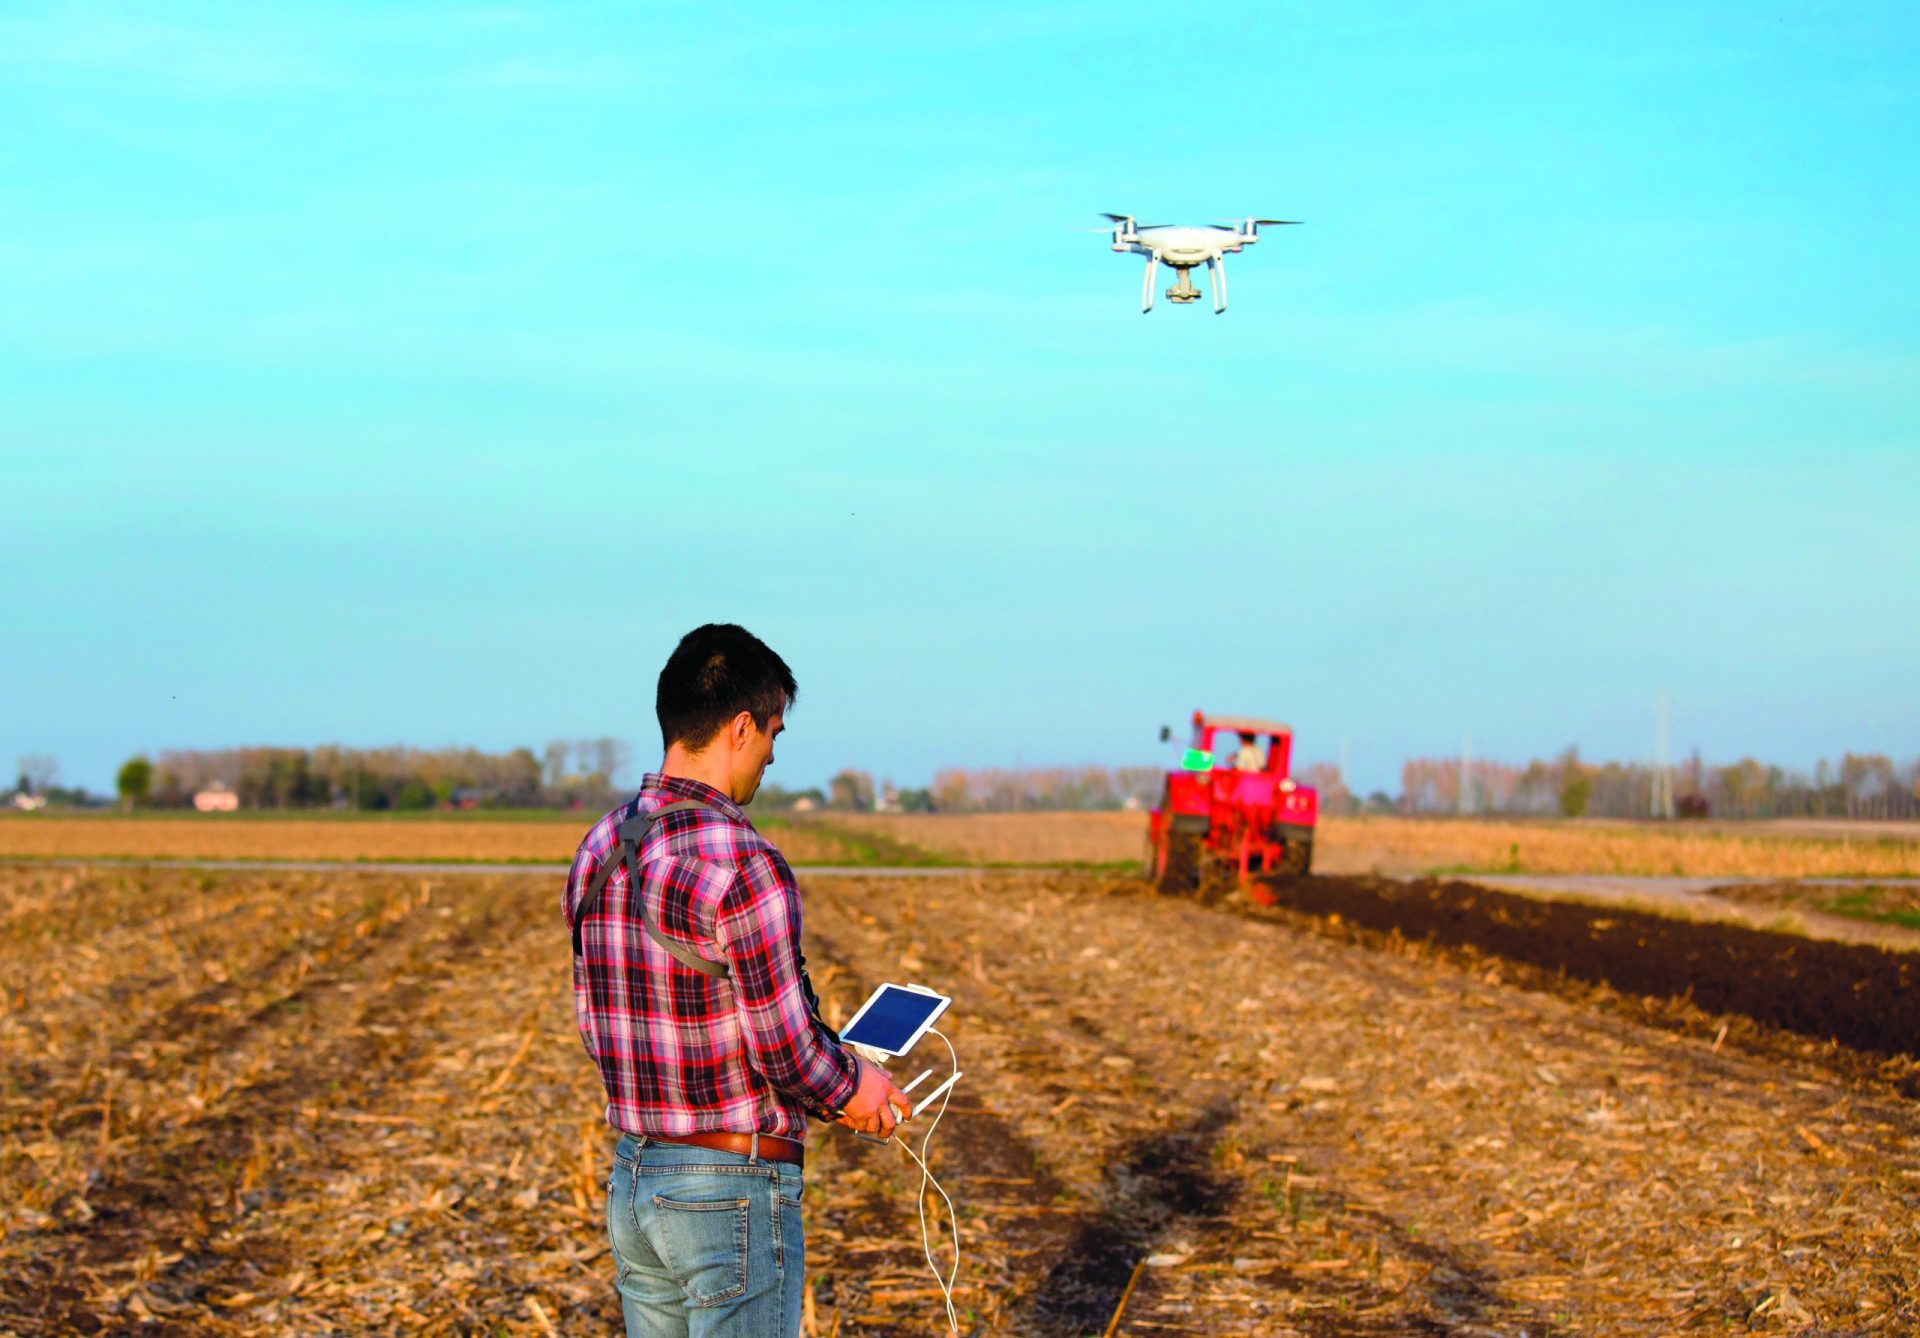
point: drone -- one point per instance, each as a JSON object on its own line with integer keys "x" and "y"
{"x": 1183, "y": 248}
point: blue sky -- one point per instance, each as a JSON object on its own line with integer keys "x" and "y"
{"x": 376, "y": 373}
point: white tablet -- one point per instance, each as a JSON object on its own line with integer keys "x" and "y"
{"x": 894, "y": 1017}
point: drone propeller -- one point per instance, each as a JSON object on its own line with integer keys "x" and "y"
{"x": 1128, "y": 218}
{"x": 1261, "y": 222}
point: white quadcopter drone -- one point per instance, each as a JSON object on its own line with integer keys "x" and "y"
{"x": 1184, "y": 248}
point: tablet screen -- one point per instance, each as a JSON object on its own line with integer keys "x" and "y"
{"x": 893, "y": 1019}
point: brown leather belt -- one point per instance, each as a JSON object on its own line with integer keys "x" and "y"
{"x": 773, "y": 1147}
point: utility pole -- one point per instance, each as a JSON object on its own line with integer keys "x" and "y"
{"x": 1345, "y": 784}
{"x": 1466, "y": 772}
{"x": 1661, "y": 805}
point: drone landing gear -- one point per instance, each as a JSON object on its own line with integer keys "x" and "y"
{"x": 1184, "y": 292}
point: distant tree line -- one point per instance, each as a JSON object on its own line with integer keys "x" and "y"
{"x": 565, "y": 774}
{"x": 1861, "y": 785}
{"x": 39, "y": 781}
{"x": 849, "y": 791}
{"x": 1089, "y": 788}
{"x": 1336, "y": 798}
{"x": 590, "y": 772}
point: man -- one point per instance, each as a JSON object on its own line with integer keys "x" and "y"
{"x": 691, "y": 999}
{"x": 1249, "y": 758}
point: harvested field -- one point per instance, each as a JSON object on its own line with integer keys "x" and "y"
{"x": 453, "y": 838}
{"x": 1821, "y": 914}
{"x": 1851, "y": 829}
{"x": 1393, "y": 846}
{"x": 1419, "y": 846}
{"x": 273, "y": 1102}
{"x": 1004, "y": 838}
{"x": 1861, "y": 997}
{"x": 1423, "y": 845}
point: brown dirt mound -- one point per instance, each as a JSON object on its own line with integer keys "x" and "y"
{"x": 1862, "y": 997}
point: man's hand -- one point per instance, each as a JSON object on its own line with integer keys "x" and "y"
{"x": 870, "y": 1110}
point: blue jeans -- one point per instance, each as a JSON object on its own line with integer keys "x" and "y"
{"x": 705, "y": 1243}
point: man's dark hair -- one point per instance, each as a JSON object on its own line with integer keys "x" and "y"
{"x": 716, "y": 672}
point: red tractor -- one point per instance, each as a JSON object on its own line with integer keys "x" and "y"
{"x": 1232, "y": 812}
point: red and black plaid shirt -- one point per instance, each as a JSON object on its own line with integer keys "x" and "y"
{"x": 682, "y": 1052}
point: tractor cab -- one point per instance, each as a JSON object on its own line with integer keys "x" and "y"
{"x": 1244, "y": 744}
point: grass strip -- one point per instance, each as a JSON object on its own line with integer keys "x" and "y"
{"x": 874, "y": 850}
{"x": 1864, "y": 905}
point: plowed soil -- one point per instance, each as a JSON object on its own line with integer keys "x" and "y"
{"x": 1859, "y": 997}
{"x": 282, "y": 1103}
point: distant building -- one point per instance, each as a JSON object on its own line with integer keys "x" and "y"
{"x": 27, "y": 803}
{"x": 804, "y": 804}
{"x": 216, "y": 798}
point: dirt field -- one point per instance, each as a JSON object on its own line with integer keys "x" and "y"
{"x": 1417, "y": 846}
{"x": 1394, "y": 846}
{"x": 479, "y": 838}
{"x": 1420, "y": 845}
{"x": 1005, "y": 838}
{"x": 1864, "y": 997}
{"x": 268, "y": 1103}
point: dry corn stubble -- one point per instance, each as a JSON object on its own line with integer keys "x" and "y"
{"x": 382, "y": 1119}
{"x": 1314, "y": 1135}
{"x": 1343, "y": 845}
{"x": 1421, "y": 845}
{"x": 1007, "y": 838}
{"x": 1490, "y": 845}
{"x": 551, "y": 840}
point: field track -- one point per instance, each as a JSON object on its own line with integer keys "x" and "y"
{"x": 278, "y": 1102}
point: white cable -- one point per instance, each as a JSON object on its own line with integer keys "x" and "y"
{"x": 920, "y": 1200}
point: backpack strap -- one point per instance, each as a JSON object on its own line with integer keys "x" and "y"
{"x": 633, "y": 834}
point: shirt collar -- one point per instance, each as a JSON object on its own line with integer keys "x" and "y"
{"x": 681, "y": 787}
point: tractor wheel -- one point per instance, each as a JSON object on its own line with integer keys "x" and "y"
{"x": 1295, "y": 860}
{"x": 1179, "y": 864}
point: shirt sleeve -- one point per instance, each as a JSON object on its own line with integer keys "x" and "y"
{"x": 584, "y": 867}
{"x": 758, "y": 926}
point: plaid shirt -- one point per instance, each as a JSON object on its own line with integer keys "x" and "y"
{"x": 682, "y": 1052}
